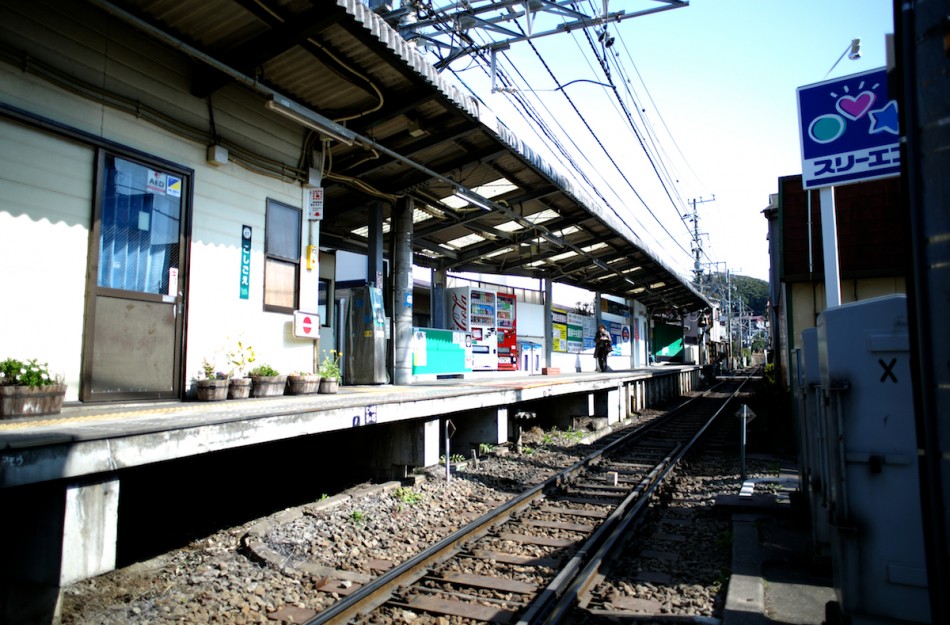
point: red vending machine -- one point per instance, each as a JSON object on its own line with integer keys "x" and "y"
{"x": 507, "y": 333}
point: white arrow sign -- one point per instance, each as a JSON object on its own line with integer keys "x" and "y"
{"x": 745, "y": 413}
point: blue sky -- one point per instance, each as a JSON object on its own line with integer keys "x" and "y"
{"x": 715, "y": 82}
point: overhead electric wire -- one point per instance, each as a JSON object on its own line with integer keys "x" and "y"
{"x": 660, "y": 157}
{"x": 649, "y": 143}
{"x": 594, "y": 188}
{"x": 536, "y": 122}
{"x": 639, "y": 137}
{"x": 659, "y": 115}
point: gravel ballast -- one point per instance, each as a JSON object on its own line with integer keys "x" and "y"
{"x": 271, "y": 570}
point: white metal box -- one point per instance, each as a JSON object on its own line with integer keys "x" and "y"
{"x": 874, "y": 495}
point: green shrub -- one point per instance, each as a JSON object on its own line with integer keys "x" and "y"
{"x": 26, "y": 373}
{"x": 264, "y": 371}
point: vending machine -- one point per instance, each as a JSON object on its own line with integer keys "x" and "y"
{"x": 473, "y": 311}
{"x": 507, "y": 332}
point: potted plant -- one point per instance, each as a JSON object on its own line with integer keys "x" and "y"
{"x": 240, "y": 357}
{"x": 211, "y": 385}
{"x": 267, "y": 381}
{"x": 302, "y": 383}
{"x": 330, "y": 372}
{"x": 28, "y": 389}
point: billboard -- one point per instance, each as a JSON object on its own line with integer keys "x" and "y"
{"x": 849, "y": 130}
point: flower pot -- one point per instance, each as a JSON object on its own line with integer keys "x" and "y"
{"x": 240, "y": 388}
{"x": 212, "y": 390}
{"x": 302, "y": 384}
{"x": 268, "y": 385}
{"x": 23, "y": 401}
{"x": 329, "y": 385}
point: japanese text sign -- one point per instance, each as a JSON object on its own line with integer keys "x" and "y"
{"x": 849, "y": 130}
{"x": 245, "y": 261}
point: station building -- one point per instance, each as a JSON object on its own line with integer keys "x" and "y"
{"x": 180, "y": 178}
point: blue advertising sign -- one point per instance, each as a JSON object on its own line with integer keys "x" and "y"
{"x": 849, "y": 130}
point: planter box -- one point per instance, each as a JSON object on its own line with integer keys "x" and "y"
{"x": 268, "y": 385}
{"x": 23, "y": 401}
{"x": 240, "y": 388}
{"x": 329, "y": 385}
{"x": 212, "y": 390}
{"x": 302, "y": 384}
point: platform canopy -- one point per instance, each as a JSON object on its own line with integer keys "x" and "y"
{"x": 397, "y": 128}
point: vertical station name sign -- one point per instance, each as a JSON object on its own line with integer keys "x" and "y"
{"x": 245, "y": 262}
{"x": 849, "y": 130}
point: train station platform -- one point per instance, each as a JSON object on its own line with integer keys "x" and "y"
{"x": 65, "y": 471}
{"x": 776, "y": 575}
{"x": 158, "y": 431}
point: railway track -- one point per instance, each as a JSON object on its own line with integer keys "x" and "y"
{"x": 528, "y": 561}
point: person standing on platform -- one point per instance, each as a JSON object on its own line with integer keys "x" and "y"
{"x": 603, "y": 345}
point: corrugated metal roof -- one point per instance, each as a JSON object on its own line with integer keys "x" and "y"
{"x": 418, "y": 136}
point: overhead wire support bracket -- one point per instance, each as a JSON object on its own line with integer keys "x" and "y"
{"x": 456, "y": 19}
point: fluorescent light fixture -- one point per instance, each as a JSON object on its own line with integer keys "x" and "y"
{"x": 503, "y": 250}
{"x": 562, "y": 256}
{"x": 552, "y": 239}
{"x": 601, "y": 264}
{"x": 305, "y": 117}
{"x": 473, "y": 199}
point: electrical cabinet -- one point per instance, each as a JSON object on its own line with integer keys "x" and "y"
{"x": 873, "y": 489}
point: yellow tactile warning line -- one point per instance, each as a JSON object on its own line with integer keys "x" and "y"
{"x": 371, "y": 390}
{"x": 19, "y": 425}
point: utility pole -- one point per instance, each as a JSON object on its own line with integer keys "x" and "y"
{"x": 697, "y": 241}
{"x": 729, "y": 319}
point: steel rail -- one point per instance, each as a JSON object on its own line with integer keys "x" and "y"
{"x": 380, "y": 590}
{"x": 588, "y": 575}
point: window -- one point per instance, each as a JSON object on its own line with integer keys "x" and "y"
{"x": 140, "y": 224}
{"x": 281, "y": 256}
{"x": 323, "y": 296}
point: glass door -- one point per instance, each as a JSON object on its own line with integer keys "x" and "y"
{"x": 134, "y": 327}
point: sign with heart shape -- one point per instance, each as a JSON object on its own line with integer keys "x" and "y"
{"x": 849, "y": 130}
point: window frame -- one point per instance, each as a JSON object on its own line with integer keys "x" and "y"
{"x": 281, "y": 257}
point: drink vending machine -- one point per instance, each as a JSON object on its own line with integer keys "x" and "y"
{"x": 473, "y": 311}
{"x": 507, "y": 332}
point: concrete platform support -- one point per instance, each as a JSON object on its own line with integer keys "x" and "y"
{"x": 688, "y": 380}
{"x": 661, "y": 389}
{"x": 90, "y": 530}
{"x": 636, "y": 397}
{"x": 564, "y": 410}
{"x": 607, "y": 403}
{"x": 487, "y": 425}
{"x": 55, "y": 535}
{"x": 407, "y": 444}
